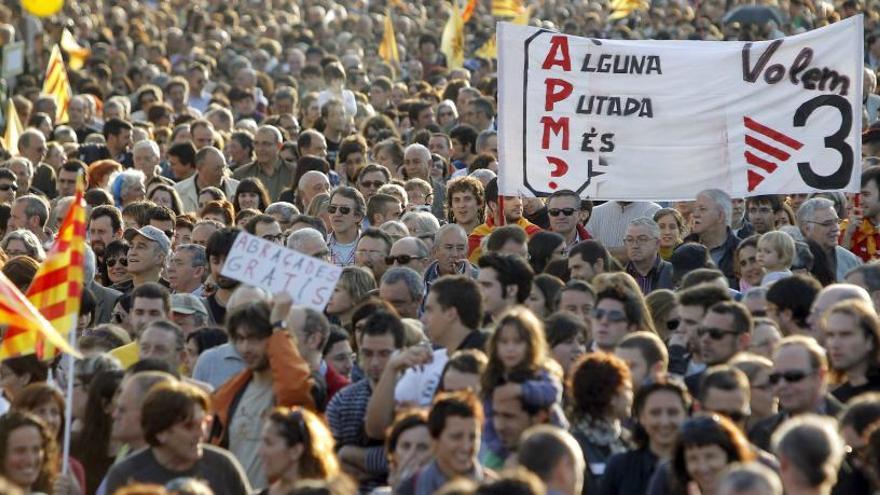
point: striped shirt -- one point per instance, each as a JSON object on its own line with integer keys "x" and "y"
{"x": 609, "y": 221}
{"x": 345, "y": 413}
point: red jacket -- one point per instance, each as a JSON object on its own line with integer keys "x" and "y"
{"x": 291, "y": 384}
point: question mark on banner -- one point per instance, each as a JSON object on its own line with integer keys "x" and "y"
{"x": 560, "y": 170}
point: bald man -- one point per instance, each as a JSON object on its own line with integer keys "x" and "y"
{"x": 311, "y": 184}
{"x": 829, "y": 296}
{"x": 32, "y": 145}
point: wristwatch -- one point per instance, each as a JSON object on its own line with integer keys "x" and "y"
{"x": 282, "y": 324}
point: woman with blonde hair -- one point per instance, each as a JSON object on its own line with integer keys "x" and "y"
{"x": 296, "y": 445}
{"x": 353, "y": 286}
{"x": 663, "y": 307}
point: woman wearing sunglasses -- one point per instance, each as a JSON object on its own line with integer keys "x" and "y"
{"x": 296, "y": 445}
{"x": 116, "y": 263}
{"x": 663, "y": 305}
{"x": 706, "y": 446}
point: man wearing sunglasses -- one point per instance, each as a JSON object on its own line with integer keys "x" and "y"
{"x": 684, "y": 345}
{"x": 564, "y": 207}
{"x": 8, "y": 187}
{"x": 410, "y": 252}
{"x": 347, "y": 209}
{"x": 265, "y": 227}
{"x": 726, "y": 329}
{"x": 800, "y": 380}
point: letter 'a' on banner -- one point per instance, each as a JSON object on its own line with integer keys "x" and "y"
{"x": 663, "y": 120}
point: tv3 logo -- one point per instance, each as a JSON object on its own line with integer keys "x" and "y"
{"x": 757, "y": 136}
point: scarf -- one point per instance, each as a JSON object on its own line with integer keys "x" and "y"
{"x": 603, "y": 433}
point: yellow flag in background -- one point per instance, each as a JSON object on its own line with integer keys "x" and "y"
{"x": 489, "y": 49}
{"x": 506, "y": 8}
{"x": 388, "y": 47}
{"x": 523, "y": 17}
{"x": 623, "y": 8}
{"x": 77, "y": 54}
{"x": 13, "y": 128}
{"x": 57, "y": 85}
{"x": 452, "y": 42}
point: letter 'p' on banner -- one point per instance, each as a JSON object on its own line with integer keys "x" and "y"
{"x": 663, "y": 120}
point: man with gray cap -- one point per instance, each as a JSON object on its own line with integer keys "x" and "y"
{"x": 146, "y": 256}
{"x": 189, "y": 312}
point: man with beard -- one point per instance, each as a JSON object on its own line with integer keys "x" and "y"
{"x": 275, "y": 374}
{"x": 512, "y": 207}
{"x": 219, "y": 245}
{"x": 105, "y": 226}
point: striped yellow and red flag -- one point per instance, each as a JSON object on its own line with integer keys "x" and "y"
{"x": 468, "y": 10}
{"x": 27, "y": 325}
{"x": 78, "y": 55}
{"x": 56, "y": 291}
{"x": 506, "y": 8}
{"x": 57, "y": 85}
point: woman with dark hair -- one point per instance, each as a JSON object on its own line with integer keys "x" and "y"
{"x": 296, "y": 445}
{"x": 200, "y": 341}
{"x": 545, "y": 247}
{"x": 46, "y": 402}
{"x": 567, "y": 337}
{"x": 663, "y": 306}
{"x": 745, "y": 264}
{"x": 601, "y": 392}
{"x": 219, "y": 210}
{"x": 658, "y": 410}
{"x": 251, "y": 193}
{"x": 92, "y": 444}
{"x": 17, "y": 373}
{"x": 115, "y": 263}
{"x": 545, "y": 292}
{"x": 407, "y": 445}
{"x": 167, "y": 196}
{"x": 707, "y": 444}
{"x": 21, "y": 436}
{"x": 673, "y": 230}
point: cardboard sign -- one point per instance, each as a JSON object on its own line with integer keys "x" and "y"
{"x": 255, "y": 261}
{"x": 663, "y": 120}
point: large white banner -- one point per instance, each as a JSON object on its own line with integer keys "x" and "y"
{"x": 662, "y": 120}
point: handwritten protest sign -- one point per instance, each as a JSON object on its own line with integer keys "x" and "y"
{"x": 261, "y": 263}
{"x": 662, "y": 120}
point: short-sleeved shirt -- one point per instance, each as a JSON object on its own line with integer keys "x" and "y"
{"x": 217, "y": 467}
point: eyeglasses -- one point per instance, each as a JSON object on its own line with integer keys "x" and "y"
{"x": 613, "y": 315}
{"x": 827, "y": 224}
{"x": 111, "y": 262}
{"x": 672, "y": 324}
{"x": 791, "y": 376}
{"x": 273, "y": 238}
{"x": 372, "y": 184}
{"x": 6, "y": 187}
{"x": 403, "y": 259}
{"x": 642, "y": 239}
{"x": 715, "y": 333}
{"x": 345, "y": 210}
{"x": 554, "y": 212}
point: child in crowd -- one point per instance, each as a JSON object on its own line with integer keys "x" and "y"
{"x": 775, "y": 254}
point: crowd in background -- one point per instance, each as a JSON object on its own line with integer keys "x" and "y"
{"x": 475, "y": 343}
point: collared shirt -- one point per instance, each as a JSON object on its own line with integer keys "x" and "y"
{"x": 281, "y": 178}
{"x": 609, "y": 221}
{"x": 218, "y": 364}
{"x": 646, "y": 282}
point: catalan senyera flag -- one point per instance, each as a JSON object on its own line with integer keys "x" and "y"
{"x": 57, "y": 84}
{"x": 452, "y": 41}
{"x": 506, "y": 8}
{"x": 77, "y": 54}
{"x": 13, "y": 128}
{"x": 56, "y": 291}
{"x": 388, "y": 46}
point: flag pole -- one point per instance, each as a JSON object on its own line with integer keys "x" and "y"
{"x": 68, "y": 404}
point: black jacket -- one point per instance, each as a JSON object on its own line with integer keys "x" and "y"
{"x": 761, "y": 433}
{"x": 629, "y": 472}
{"x": 725, "y": 264}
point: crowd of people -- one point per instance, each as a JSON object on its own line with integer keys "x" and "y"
{"x": 475, "y": 343}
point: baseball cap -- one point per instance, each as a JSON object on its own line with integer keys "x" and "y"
{"x": 187, "y": 304}
{"x": 151, "y": 233}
